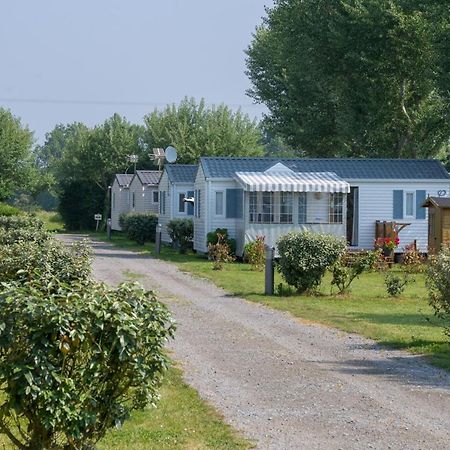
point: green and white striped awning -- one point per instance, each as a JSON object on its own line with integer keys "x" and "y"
{"x": 289, "y": 181}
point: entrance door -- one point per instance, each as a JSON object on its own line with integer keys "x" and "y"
{"x": 353, "y": 216}
{"x": 432, "y": 238}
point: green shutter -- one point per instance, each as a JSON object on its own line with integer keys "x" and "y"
{"x": 234, "y": 203}
{"x": 190, "y": 206}
{"x": 398, "y": 204}
{"x": 420, "y": 198}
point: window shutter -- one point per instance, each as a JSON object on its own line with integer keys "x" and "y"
{"x": 190, "y": 206}
{"x": 234, "y": 202}
{"x": 199, "y": 210}
{"x": 398, "y": 204}
{"x": 420, "y": 198}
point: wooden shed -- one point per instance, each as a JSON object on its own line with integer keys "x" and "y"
{"x": 438, "y": 223}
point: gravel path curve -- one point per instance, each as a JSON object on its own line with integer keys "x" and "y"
{"x": 288, "y": 384}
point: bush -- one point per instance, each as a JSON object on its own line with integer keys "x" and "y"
{"x": 395, "y": 284}
{"x": 181, "y": 231}
{"x": 75, "y": 362}
{"x": 305, "y": 256}
{"x": 254, "y": 253}
{"x": 350, "y": 266}
{"x": 8, "y": 210}
{"x": 140, "y": 227}
{"x": 49, "y": 259}
{"x": 220, "y": 253}
{"x": 123, "y": 222}
{"x": 438, "y": 284}
{"x": 19, "y": 222}
{"x": 413, "y": 261}
{"x": 213, "y": 238}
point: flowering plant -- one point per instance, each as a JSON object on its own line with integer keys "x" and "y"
{"x": 387, "y": 243}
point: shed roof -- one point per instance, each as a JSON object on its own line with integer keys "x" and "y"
{"x": 346, "y": 168}
{"x": 181, "y": 173}
{"x": 149, "y": 177}
{"x": 124, "y": 179}
{"x": 440, "y": 202}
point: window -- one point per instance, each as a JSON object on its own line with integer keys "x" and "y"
{"x": 155, "y": 196}
{"x": 409, "y": 204}
{"x": 133, "y": 199}
{"x": 181, "y": 204}
{"x": 336, "y": 207}
{"x": 285, "y": 207}
{"x": 270, "y": 207}
{"x": 219, "y": 203}
{"x": 302, "y": 207}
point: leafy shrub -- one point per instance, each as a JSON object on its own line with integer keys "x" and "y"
{"x": 8, "y": 210}
{"x": 75, "y": 362}
{"x": 22, "y": 228}
{"x": 220, "y": 253}
{"x": 213, "y": 237}
{"x": 123, "y": 222}
{"x": 413, "y": 261}
{"x": 350, "y": 266}
{"x": 305, "y": 256}
{"x": 181, "y": 231}
{"x": 19, "y": 222}
{"x": 438, "y": 284}
{"x": 140, "y": 227}
{"x": 254, "y": 253}
{"x": 395, "y": 284}
{"x": 49, "y": 259}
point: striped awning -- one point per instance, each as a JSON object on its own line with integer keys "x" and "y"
{"x": 289, "y": 181}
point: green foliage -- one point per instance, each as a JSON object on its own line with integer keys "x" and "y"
{"x": 395, "y": 284}
{"x": 305, "y": 256}
{"x": 213, "y": 238}
{"x": 197, "y": 130}
{"x": 8, "y": 210}
{"x": 355, "y": 78}
{"x": 438, "y": 284}
{"x": 413, "y": 260}
{"x": 16, "y": 164}
{"x": 351, "y": 266}
{"x": 181, "y": 231}
{"x": 123, "y": 222}
{"x": 220, "y": 252}
{"x": 140, "y": 227}
{"x": 254, "y": 253}
{"x": 75, "y": 361}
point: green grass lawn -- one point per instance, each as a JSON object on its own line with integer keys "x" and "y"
{"x": 406, "y": 322}
{"x": 52, "y": 220}
{"x": 182, "y": 420}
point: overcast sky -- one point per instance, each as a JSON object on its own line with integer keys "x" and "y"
{"x": 83, "y": 60}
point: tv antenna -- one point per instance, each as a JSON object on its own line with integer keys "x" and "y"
{"x": 160, "y": 155}
{"x": 133, "y": 159}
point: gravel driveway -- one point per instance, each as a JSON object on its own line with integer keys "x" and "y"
{"x": 288, "y": 384}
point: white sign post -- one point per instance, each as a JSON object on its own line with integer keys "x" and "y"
{"x": 98, "y": 218}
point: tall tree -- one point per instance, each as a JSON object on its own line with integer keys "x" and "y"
{"x": 17, "y": 169}
{"x": 196, "y": 130}
{"x": 355, "y": 77}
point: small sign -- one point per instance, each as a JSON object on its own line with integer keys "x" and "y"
{"x": 97, "y": 217}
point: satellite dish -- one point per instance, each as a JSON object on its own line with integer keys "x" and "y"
{"x": 171, "y": 154}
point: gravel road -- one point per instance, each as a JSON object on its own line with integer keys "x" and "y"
{"x": 285, "y": 383}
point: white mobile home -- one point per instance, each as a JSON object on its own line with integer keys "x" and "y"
{"x": 269, "y": 197}
{"x": 144, "y": 194}
{"x": 120, "y": 198}
{"x": 176, "y": 184}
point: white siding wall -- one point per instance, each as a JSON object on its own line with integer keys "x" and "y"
{"x": 200, "y": 222}
{"x": 376, "y": 203}
{"x": 119, "y": 204}
{"x": 143, "y": 196}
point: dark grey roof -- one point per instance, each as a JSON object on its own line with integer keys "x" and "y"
{"x": 441, "y": 202}
{"x": 124, "y": 179}
{"x": 346, "y": 168}
{"x": 149, "y": 176}
{"x": 181, "y": 173}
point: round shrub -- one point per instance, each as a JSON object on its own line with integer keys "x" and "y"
{"x": 181, "y": 231}
{"x": 395, "y": 284}
{"x": 8, "y": 210}
{"x": 75, "y": 362}
{"x": 305, "y": 257}
{"x": 213, "y": 238}
{"x": 255, "y": 253}
{"x": 140, "y": 227}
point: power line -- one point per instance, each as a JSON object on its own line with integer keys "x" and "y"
{"x": 101, "y": 102}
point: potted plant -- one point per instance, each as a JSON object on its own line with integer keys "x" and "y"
{"x": 387, "y": 245}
